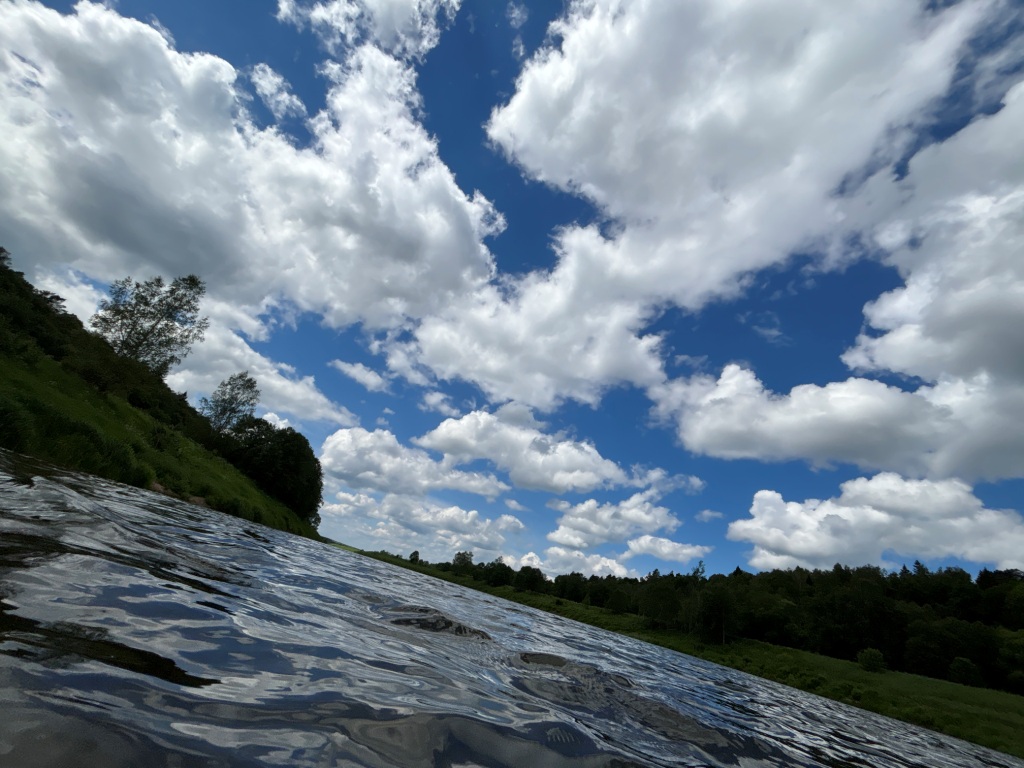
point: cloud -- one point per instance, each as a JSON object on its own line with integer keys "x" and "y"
{"x": 81, "y": 298}
{"x": 517, "y": 14}
{"x": 377, "y": 461}
{"x": 274, "y": 90}
{"x": 707, "y": 515}
{"x": 359, "y": 373}
{"x": 402, "y": 27}
{"x": 276, "y": 420}
{"x": 952, "y": 227}
{"x": 764, "y": 111}
{"x": 438, "y": 402}
{"x": 551, "y": 337}
{"x": 859, "y": 421}
{"x": 953, "y": 429}
{"x": 955, "y": 233}
{"x": 664, "y": 549}
{"x": 403, "y": 523}
{"x": 560, "y": 560}
{"x": 514, "y": 441}
{"x": 125, "y": 156}
{"x": 878, "y": 517}
{"x": 531, "y": 559}
{"x": 590, "y": 523}
{"x": 224, "y": 353}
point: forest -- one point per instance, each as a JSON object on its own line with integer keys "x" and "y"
{"x": 938, "y": 623}
{"x": 96, "y": 401}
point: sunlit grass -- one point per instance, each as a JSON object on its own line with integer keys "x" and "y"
{"x": 51, "y": 414}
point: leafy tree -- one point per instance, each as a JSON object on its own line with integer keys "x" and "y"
{"x": 234, "y": 400}
{"x": 282, "y": 463}
{"x": 151, "y": 322}
{"x": 498, "y": 574}
{"x": 530, "y": 579}
{"x": 414, "y": 557}
{"x": 462, "y": 562}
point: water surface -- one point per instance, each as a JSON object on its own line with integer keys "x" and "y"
{"x": 136, "y": 630}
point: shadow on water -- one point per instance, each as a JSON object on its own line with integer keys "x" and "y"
{"x": 63, "y": 644}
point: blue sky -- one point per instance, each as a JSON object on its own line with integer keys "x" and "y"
{"x": 598, "y": 286}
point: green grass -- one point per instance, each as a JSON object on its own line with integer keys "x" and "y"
{"x": 51, "y": 414}
{"x": 993, "y": 719}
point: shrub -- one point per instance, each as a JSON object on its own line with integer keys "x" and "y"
{"x": 965, "y": 672}
{"x": 16, "y": 427}
{"x": 871, "y": 660}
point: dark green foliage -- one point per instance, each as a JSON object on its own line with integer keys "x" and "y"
{"x": 497, "y": 573}
{"x": 571, "y": 586}
{"x": 17, "y": 430}
{"x": 462, "y": 562}
{"x": 530, "y": 579}
{"x": 153, "y": 323}
{"x": 965, "y": 672}
{"x": 282, "y": 463}
{"x": 871, "y": 660}
{"x": 68, "y": 441}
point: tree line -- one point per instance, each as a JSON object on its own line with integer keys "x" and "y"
{"x": 939, "y": 623}
{"x": 139, "y": 332}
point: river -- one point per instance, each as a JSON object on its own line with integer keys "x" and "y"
{"x": 137, "y": 630}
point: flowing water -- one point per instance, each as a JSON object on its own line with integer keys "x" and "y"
{"x": 136, "y": 630}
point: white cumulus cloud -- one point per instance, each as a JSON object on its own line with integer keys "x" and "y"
{"x": 561, "y": 560}
{"x": 362, "y": 374}
{"x": 955, "y": 428}
{"x": 590, "y": 523}
{"x": 514, "y": 441}
{"x": 763, "y": 110}
{"x": 406, "y": 523}
{"x": 875, "y": 518}
{"x": 275, "y": 92}
{"x": 377, "y": 461}
{"x": 402, "y": 27}
{"x": 664, "y": 549}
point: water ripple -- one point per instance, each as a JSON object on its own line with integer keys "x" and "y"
{"x": 138, "y": 630}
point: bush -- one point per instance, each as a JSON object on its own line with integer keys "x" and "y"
{"x": 965, "y": 672}
{"x": 871, "y": 660}
{"x": 16, "y": 427}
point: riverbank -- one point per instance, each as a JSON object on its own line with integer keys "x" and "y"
{"x": 993, "y": 719}
{"x": 48, "y": 414}
{"x": 68, "y": 399}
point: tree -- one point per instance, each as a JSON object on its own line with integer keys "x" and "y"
{"x": 462, "y": 562}
{"x": 282, "y": 463}
{"x": 234, "y": 400}
{"x": 530, "y": 579}
{"x": 151, "y": 322}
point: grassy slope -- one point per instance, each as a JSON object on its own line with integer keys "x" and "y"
{"x": 55, "y": 416}
{"x": 993, "y": 719}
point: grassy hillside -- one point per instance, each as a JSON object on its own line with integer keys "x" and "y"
{"x": 67, "y": 398}
{"x": 993, "y": 719}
